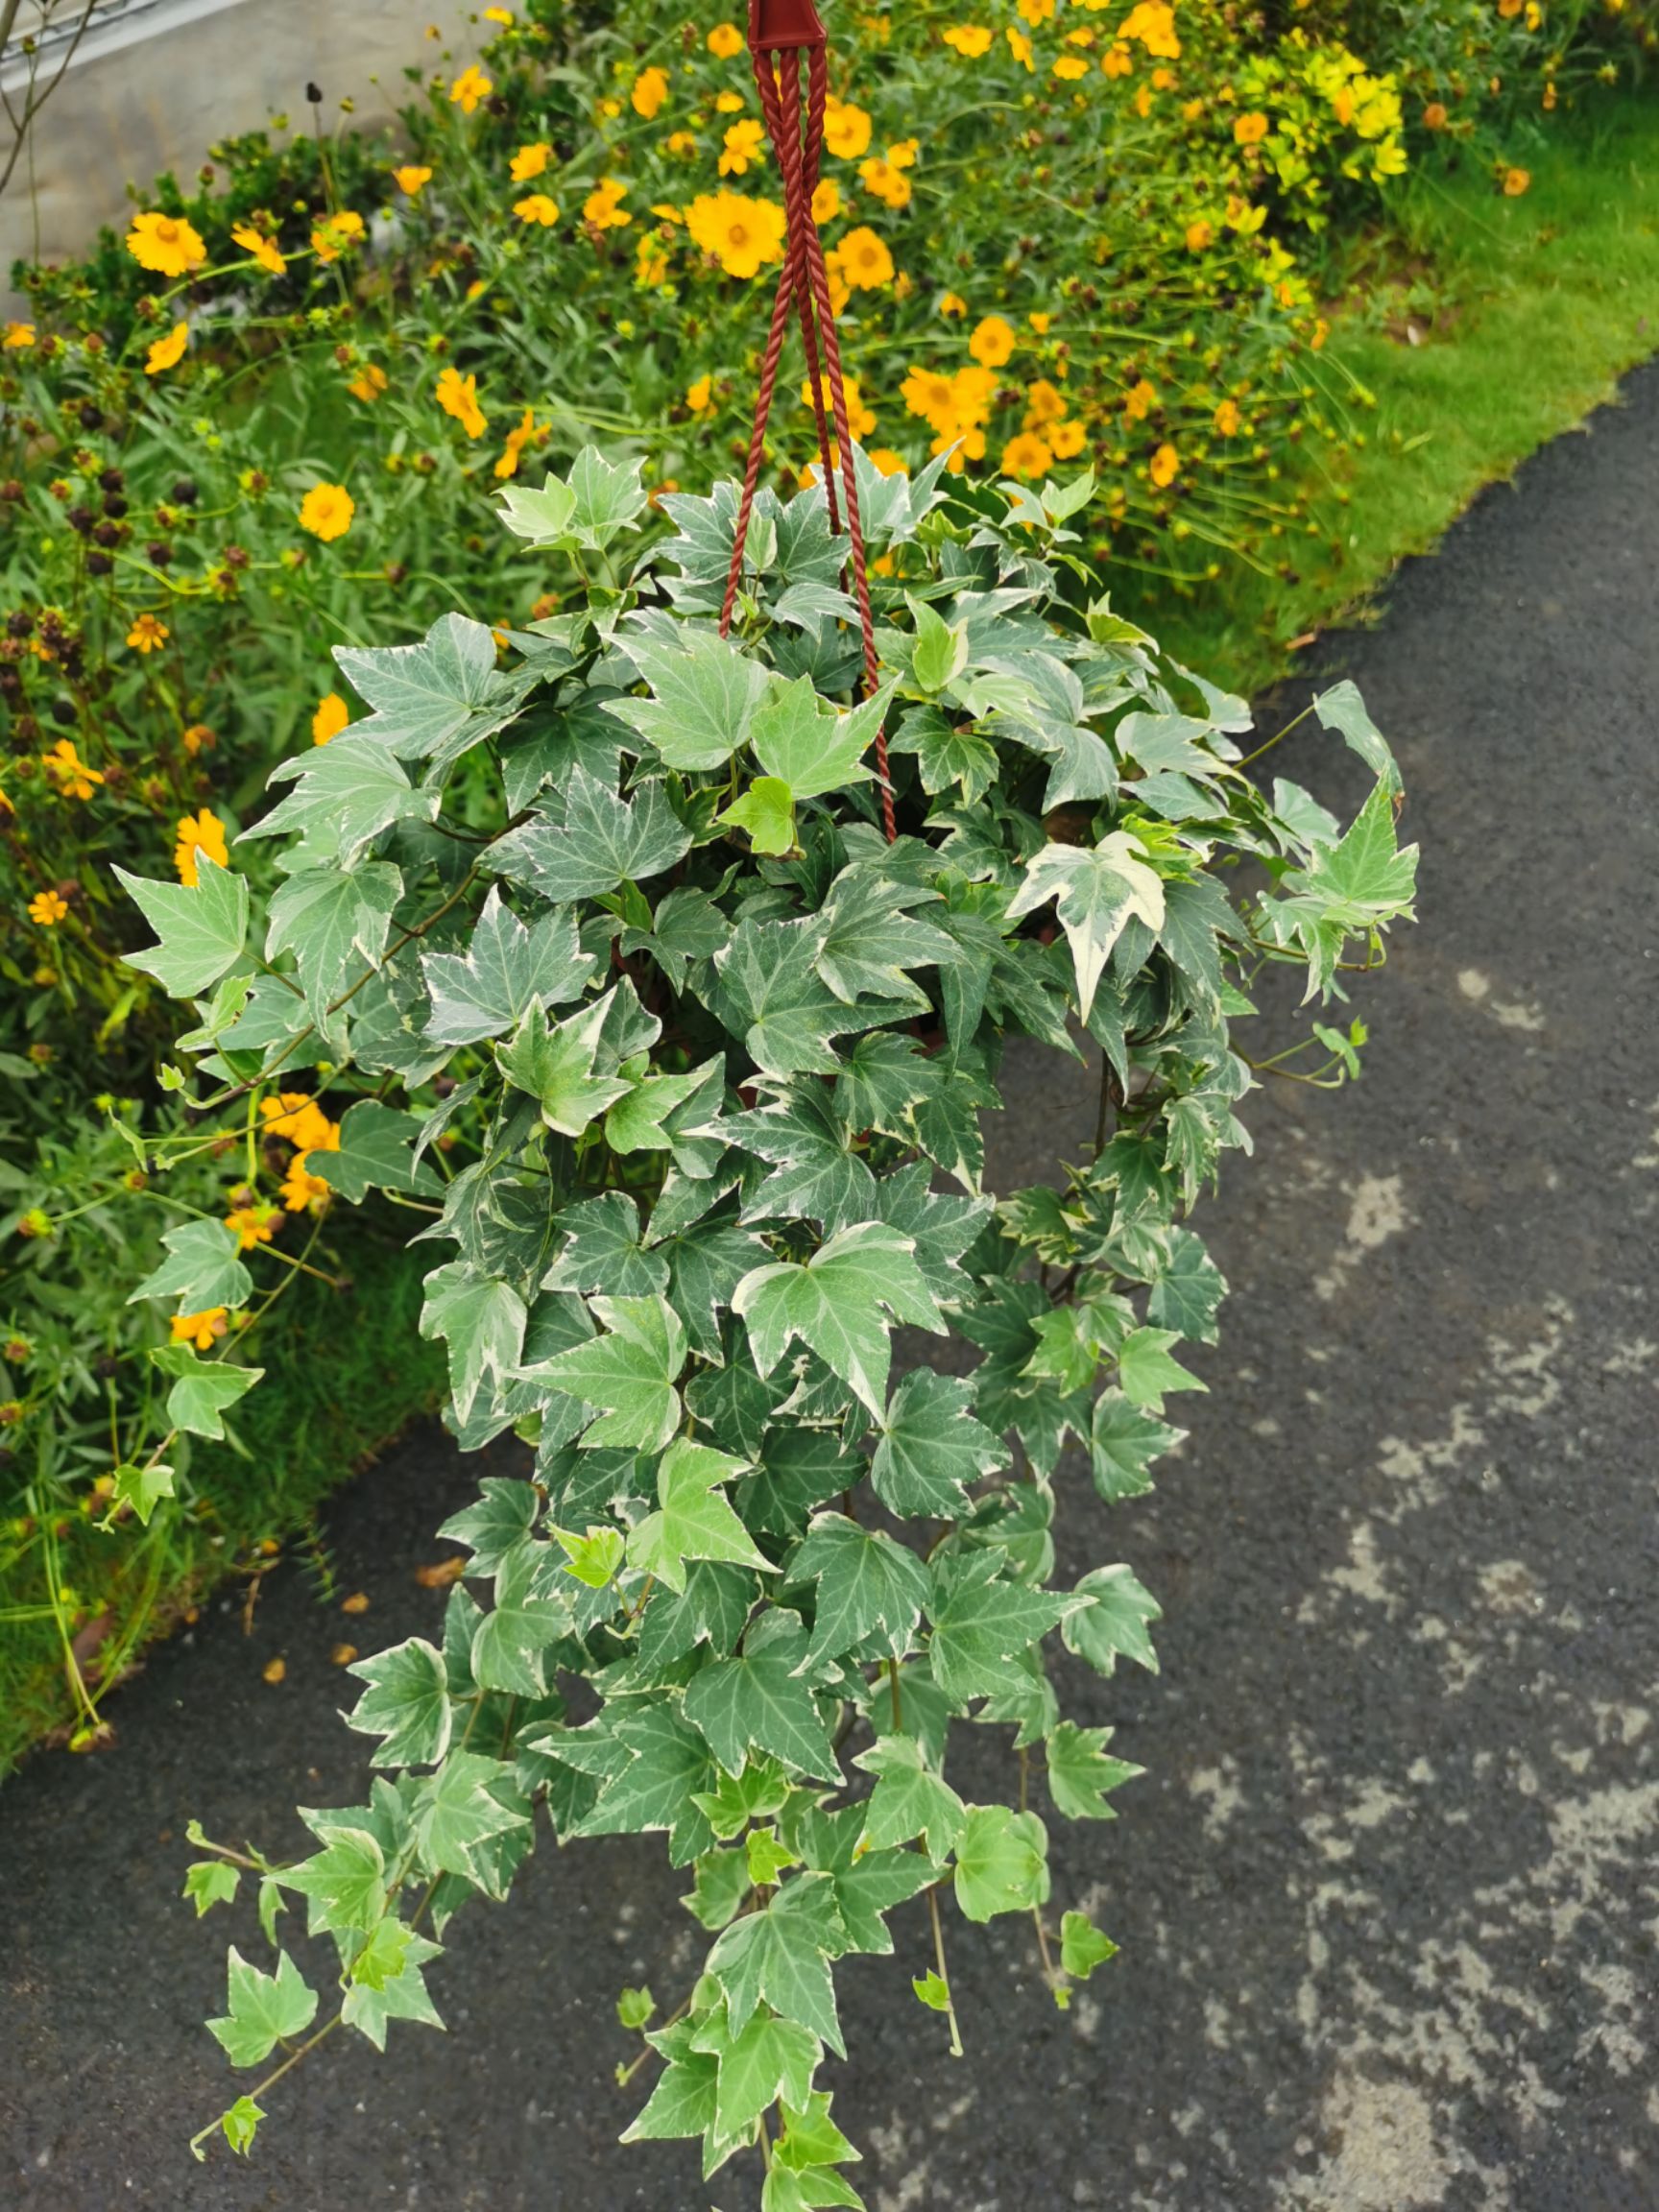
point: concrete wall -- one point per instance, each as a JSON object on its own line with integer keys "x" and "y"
{"x": 156, "y": 82}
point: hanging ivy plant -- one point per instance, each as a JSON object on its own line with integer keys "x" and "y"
{"x": 684, "y": 1062}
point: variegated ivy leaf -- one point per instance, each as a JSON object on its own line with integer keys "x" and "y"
{"x": 1095, "y": 890}
{"x": 838, "y": 1306}
{"x": 347, "y": 794}
{"x": 336, "y": 925}
{"x": 436, "y": 700}
{"x": 694, "y": 1519}
{"x": 627, "y": 1376}
{"x": 601, "y": 841}
{"x": 704, "y": 691}
{"x": 201, "y": 928}
{"x": 508, "y": 967}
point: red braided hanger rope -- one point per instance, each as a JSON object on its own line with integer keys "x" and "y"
{"x": 780, "y": 32}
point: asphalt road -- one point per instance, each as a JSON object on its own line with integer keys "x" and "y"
{"x": 1387, "y": 1893}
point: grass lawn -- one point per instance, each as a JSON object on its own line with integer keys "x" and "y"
{"x": 1525, "y": 313}
{"x": 1481, "y": 326}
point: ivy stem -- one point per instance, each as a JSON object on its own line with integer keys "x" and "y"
{"x": 897, "y": 1700}
{"x": 1049, "y": 1974}
{"x": 272, "y": 2078}
{"x": 956, "y": 2050}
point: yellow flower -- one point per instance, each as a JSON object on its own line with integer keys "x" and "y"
{"x": 17, "y": 334}
{"x": 470, "y": 88}
{"x": 47, "y": 908}
{"x": 167, "y": 244}
{"x": 1035, "y": 12}
{"x": 301, "y": 1189}
{"x": 196, "y": 737}
{"x": 730, "y": 103}
{"x": 336, "y": 233}
{"x": 74, "y": 778}
{"x": 970, "y": 40}
{"x": 725, "y": 40}
{"x": 826, "y": 201}
{"x": 370, "y": 385}
{"x": 1199, "y": 234}
{"x": 860, "y": 420}
{"x": 699, "y": 395}
{"x": 744, "y": 143}
{"x": 680, "y": 142}
{"x": 926, "y": 393}
{"x": 1153, "y": 24}
{"x": 1250, "y": 130}
{"x": 167, "y": 352}
{"x": 147, "y": 633}
{"x": 1226, "y": 418}
{"x": 845, "y": 130}
{"x": 201, "y": 832}
{"x": 1040, "y": 322}
{"x": 1166, "y": 466}
{"x": 501, "y": 15}
{"x": 253, "y": 241}
{"x": 952, "y": 304}
{"x": 992, "y": 342}
{"x": 903, "y": 152}
{"x": 1021, "y": 47}
{"x": 330, "y": 719}
{"x": 1515, "y": 182}
{"x": 327, "y": 511}
{"x": 252, "y": 1224}
{"x": 886, "y": 182}
{"x": 650, "y": 90}
{"x": 527, "y": 431}
{"x": 410, "y": 178}
{"x": 742, "y": 234}
{"x": 866, "y": 265}
{"x": 886, "y": 462}
{"x": 202, "y": 1330}
{"x": 1045, "y": 402}
{"x": 1070, "y": 67}
{"x": 1139, "y": 402}
{"x": 297, "y": 1116}
{"x": 530, "y": 160}
{"x": 1026, "y": 455}
{"x": 650, "y": 261}
{"x": 537, "y": 207}
{"x": 458, "y": 396}
{"x": 603, "y": 207}
{"x": 1066, "y": 439}
{"x": 1117, "y": 62}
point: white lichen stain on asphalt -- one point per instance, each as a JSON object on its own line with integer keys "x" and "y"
{"x": 1383, "y": 2156}
{"x": 1218, "y": 1788}
{"x": 1511, "y": 1013}
{"x": 1377, "y": 1212}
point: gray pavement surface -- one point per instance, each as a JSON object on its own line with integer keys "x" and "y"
{"x": 1387, "y": 1894}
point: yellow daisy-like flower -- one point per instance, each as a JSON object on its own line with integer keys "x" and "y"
{"x": 1066, "y": 439}
{"x": 327, "y": 511}
{"x": 903, "y": 152}
{"x": 845, "y": 130}
{"x": 201, "y": 832}
{"x": 297, "y": 1116}
{"x": 1117, "y": 62}
{"x": 530, "y": 160}
{"x": 699, "y": 395}
{"x": 952, "y": 304}
{"x": 1199, "y": 234}
{"x": 1515, "y": 182}
{"x": 1036, "y": 12}
{"x": 865, "y": 264}
{"x": 745, "y": 142}
{"x": 1153, "y": 23}
{"x": 265, "y": 251}
{"x": 17, "y": 334}
{"x": 203, "y": 1330}
{"x": 1026, "y": 456}
{"x": 680, "y": 142}
{"x": 527, "y": 431}
{"x": 1250, "y": 130}
{"x": 167, "y": 244}
{"x": 970, "y": 40}
{"x": 1022, "y": 49}
{"x": 1166, "y": 466}
{"x": 1045, "y": 402}
{"x": 992, "y": 342}
{"x": 650, "y": 90}
{"x": 252, "y": 1224}
{"x": 410, "y": 178}
{"x": 1140, "y": 400}
{"x": 743, "y": 236}
{"x": 1226, "y": 418}
{"x": 458, "y": 396}
{"x": 331, "y": 718}
{"x": 197, "y": 737}
{"x": 603, "y": 207}
{"x": 370, "y": 385}
{"x": 725, "y": 40}
{"x": 47, "y": 908}
{"x": 337, "y": 234}
{"x": 537, "y": 207}
{"x": 74, "y": 778}
{"x": 860, "y": 420}
{"x": 1070, "y": 67}
{"x": 1040, "y": 321}
{"x": 301, "y": 1189}
{"x": 147, "y": 633}
{"x": 167, "y": 352}
{"x": 729, "y": 104}
{"x": 470, "y": 87}
{"x": 886, "y": 182}
{"x": 826, "y": 201}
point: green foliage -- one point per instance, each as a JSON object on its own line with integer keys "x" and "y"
{"x": 683, "y": 1219}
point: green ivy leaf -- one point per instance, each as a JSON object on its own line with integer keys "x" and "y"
{"x": 388, "y": 1983}
{"x": 982, "y": 1622}
{"x": 783, "y": 1955}
{"x": 211, "y": 1882}
{"x": 694, "y": 1520}
{"x": 1080, "y": 1772}
{"x": 344, "y": 1883}
{"x": 202, "y": 928}
{"x": 346, "y": 795}
{"x": 336, "y": 925}
{"x": 263, "y": 2010}
{"x": 870, "y": 1590}
{"x": 909, "y": 1798}
{"x": 1145, "y": 1371}
{"x": 482, "y": 1321}
{"x": 555, "y": 1066}
{"x": 766, "y": 810}
{"x": 1002, "y": 1863}
{"x": 802, "y": 741}
{"x": 769, "y": 993}
{"x": 833, "y": 1305}
{"x": 202, "y": 1389}
{"x": 407, "y": 1702}
{"x": 1082, "y": 1947}
{"x": 1124, "y": 1442}
{"x": 375, "y": 1153}
{"x": 758, "y": 1702}
{"x": 507, "y": 968}
{"x": 202, "y": 1269}
{"x": 704, "y": 691}
{"x": 436, "y": 700}
{"x": 628, "y": 1375}
{"x": 1341, "y": 709}
{"x": 1113, "y": 1621}
{"x": 241, "y": 2124}
{"x": 602, "y": 841}
{"x": 1095, "y": 891}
